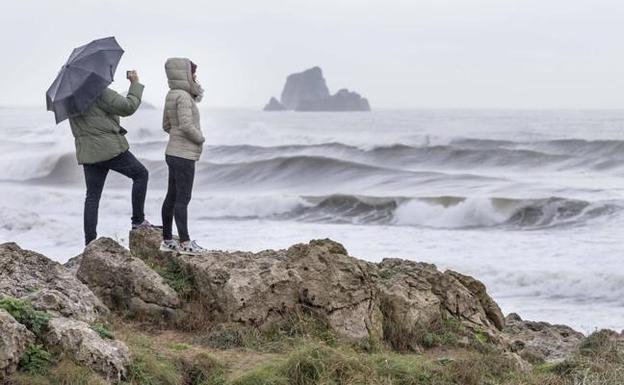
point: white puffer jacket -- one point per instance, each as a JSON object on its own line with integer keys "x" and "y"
{"x": 181, "y": 116}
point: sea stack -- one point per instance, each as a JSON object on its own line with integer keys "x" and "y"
{"x": 274, "y": 105}
{"x": 307, "y": 91}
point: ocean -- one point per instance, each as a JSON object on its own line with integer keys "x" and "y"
{"x": 529, "y": 202}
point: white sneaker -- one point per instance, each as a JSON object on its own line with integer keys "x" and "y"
{"x": 191, "y": 248}
{"x": 170, "y": 245}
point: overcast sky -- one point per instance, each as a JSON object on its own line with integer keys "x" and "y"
{"x": 398, "y": 53}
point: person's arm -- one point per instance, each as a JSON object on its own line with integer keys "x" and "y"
{"x": 185, "y": 118}
{"x": 116, "y": 104}
{"x": 166, "y": 123}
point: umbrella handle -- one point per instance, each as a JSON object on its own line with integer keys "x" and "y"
{"x": 111, "y": 72}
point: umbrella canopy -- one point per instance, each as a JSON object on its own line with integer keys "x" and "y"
{"x": 88, "y": 71}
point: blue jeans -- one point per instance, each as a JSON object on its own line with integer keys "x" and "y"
{"x": 95, "y": 177}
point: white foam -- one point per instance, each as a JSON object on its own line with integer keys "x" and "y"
{"x": 473, "y": 212}
{"x": 241, "y": 206}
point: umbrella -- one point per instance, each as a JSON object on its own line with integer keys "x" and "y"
{"x": 88, "y": 71}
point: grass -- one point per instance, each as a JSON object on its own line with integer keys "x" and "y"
{"x": 302, "y": 351}
{"x": 319, "y": 364}
{"x": 23, "y": 312}
{"x": 65, "y": 372}
{"x": 35, "y": 360}
{"x": 281, "y": 337}
{"x": 103, "y": 331}
{"x": 174, "y": 275}
{"x": 155, "y": 365}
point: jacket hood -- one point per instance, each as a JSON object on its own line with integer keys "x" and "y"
{"x": 180, "y": 77}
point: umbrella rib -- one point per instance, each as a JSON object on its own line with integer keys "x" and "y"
{"x": 98, "y": 51}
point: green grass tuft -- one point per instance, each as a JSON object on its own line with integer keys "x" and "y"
{"x": 177, "y": 278}
{"x": 23, "y": 312}
{"x": 103, "y": 331}
{"x": 35, "y": 360}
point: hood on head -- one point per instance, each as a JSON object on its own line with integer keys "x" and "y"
{"x": 180, "y": 77}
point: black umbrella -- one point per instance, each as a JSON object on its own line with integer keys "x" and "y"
{"x": 88, "y": 71}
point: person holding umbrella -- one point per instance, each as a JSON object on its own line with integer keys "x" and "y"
{"x": 81, "y": 94}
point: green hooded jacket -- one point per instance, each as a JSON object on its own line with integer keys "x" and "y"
{"x": 97, "y": 132}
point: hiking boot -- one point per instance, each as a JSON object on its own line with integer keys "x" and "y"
{"x": 170, "y": 245}
{"x": 191, "y": 248}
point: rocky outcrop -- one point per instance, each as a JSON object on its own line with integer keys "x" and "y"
{"x": 304, "y": 86}
{"x": 109, "y": 358}
{"x": 49, "y": 286}
{"x": 274, "y": 105}
{"x": 414, "y": 296}
{"x": 125, "y": 283}
{"x": 307, "y": 91}
{"x": 14, "y": 339}
{"x": 52, "y": 288}
{"x": 540, "y": 341}
{"x": 343, "y": 100}
{"x": 355, "y": 298}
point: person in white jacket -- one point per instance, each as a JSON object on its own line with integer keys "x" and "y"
{"x": 181, "y": 122}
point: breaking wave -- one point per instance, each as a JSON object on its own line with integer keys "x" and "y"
{"x": 446, "y": 212}
{"x": 266, "y": 163}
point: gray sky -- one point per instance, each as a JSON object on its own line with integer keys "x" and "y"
{"x": 398, "y": 53}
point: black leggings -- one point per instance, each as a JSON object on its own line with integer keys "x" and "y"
{"x": 95, "y": 176}
{"x": 181, "y": 175}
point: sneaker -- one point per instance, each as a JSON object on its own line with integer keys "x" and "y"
{"x": 191, "y": 248}
{"x": 169, "y": 245}
{"x": 145, "y": 225}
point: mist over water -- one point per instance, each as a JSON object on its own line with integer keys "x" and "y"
{"x": 530, "y": 202}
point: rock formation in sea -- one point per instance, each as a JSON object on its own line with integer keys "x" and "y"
{"x": 403, "y": 305}
{"x": 274, "y": 105}
{"x": 307, "y": 91}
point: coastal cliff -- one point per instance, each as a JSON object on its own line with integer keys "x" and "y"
{"x": 309, "y": 314}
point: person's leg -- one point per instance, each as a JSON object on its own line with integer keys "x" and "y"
{"x": 127, "y": 165}
{"x": 95, "y": 177}
{"x": 169, "y": 202}
{"x": 185, "y": 174}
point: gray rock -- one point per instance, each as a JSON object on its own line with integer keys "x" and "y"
{"x": 14, "y": 339}
{"x": 414, "y": 296}
{"x": 274, "y": 105}
{"x": 307, "y": 91}
{"x": 109, "y": 358}
{"x": 304, "y": 86}
{"x": 541, "y": 341}
{"x": 357, "y": 299}
{"x": 125, "y": 283}
{"x": 343, "y": 100}
{"x": 47, "y": 284}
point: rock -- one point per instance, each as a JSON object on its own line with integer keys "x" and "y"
{"x": 14, "y": 339}
{"x": 109, "y": 358}
{"x": 260, "y": 289}
{"x": 540, "y": 341}
{"x": 125, "y": 283}
{"x": 343, "y": 100}
{"x": 338, "y": 287}
{"x": 25, "y": 274}
{"x": 307, "y": 91}
{"x": 477, "y": 288}
{"x": 518, "y": 363}
{"x": 355, "y": 298}
{"x": 414, "y": 296}
{"x": 274, "y": 105}
{"x": 304, "y": 86}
